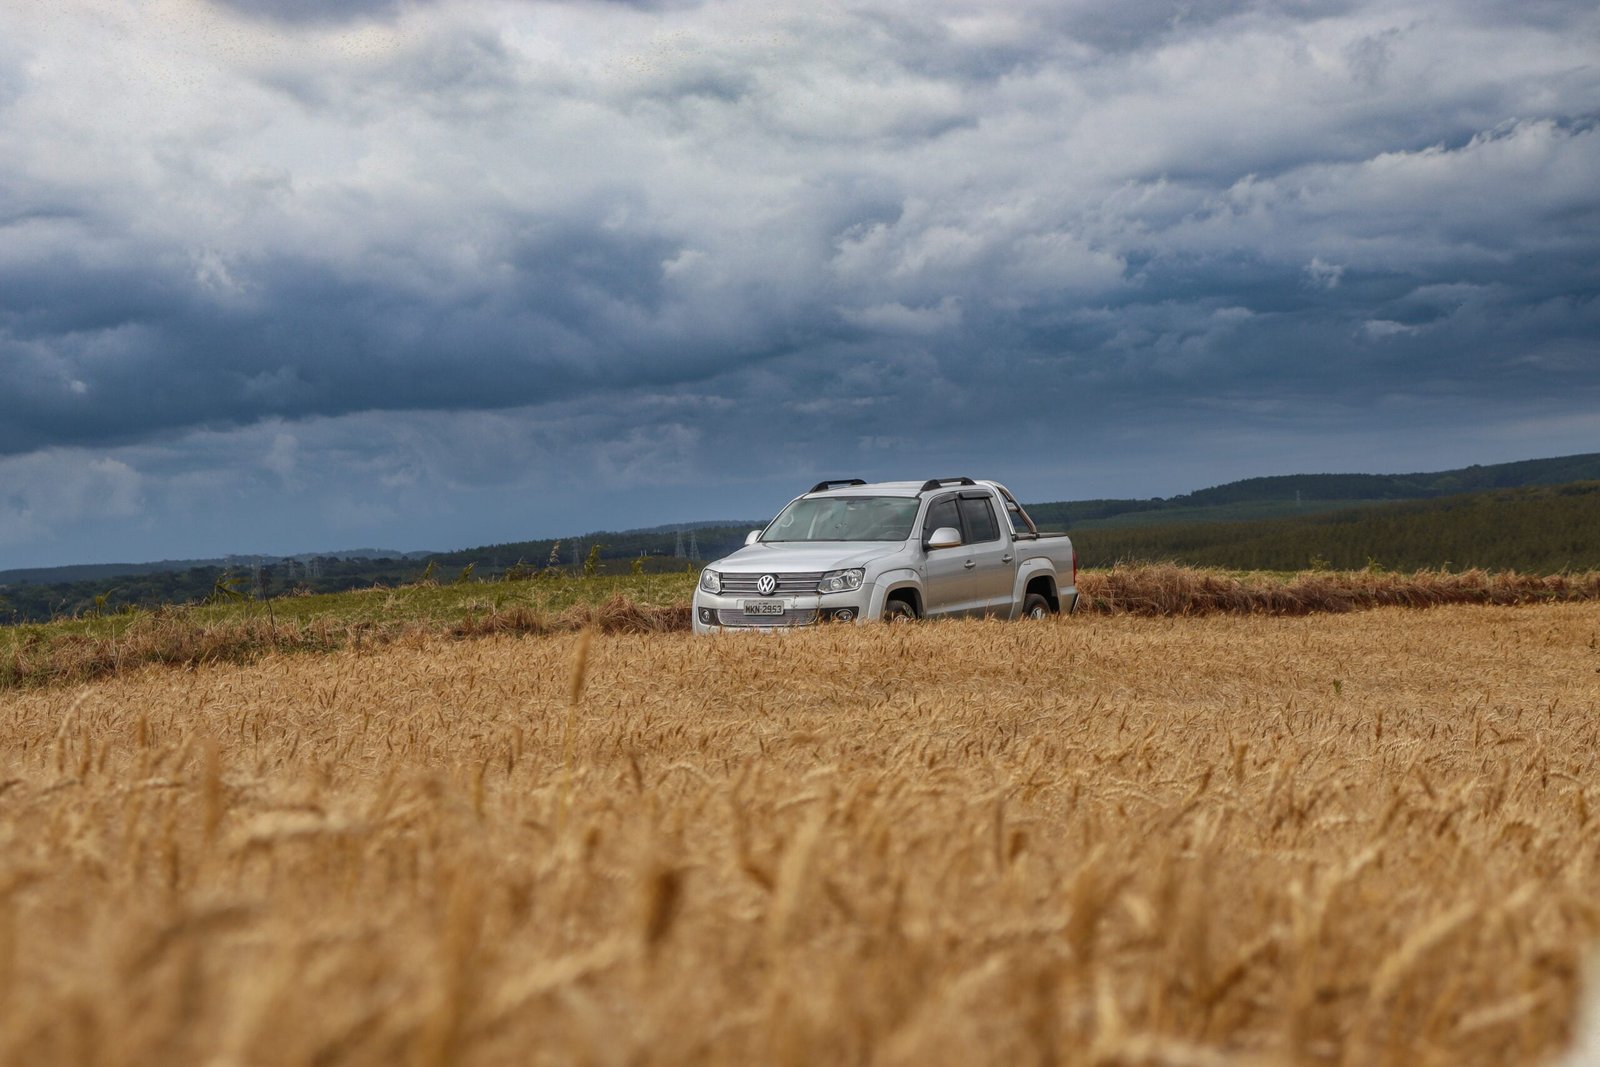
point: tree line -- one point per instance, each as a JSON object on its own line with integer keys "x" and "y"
{"x": 1544, "y": 529}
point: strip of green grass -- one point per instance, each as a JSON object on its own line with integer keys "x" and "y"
{"x": 448, "y": 604}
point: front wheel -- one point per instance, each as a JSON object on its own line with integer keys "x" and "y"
{"x": 899, "y": 611}
{"x": 1035, "y": 607}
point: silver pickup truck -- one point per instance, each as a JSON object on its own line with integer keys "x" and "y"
{"x": 848, "y": 551}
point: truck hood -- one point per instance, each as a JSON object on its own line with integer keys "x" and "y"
{"x": 808, "y": 556}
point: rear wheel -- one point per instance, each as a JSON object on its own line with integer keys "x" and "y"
{"x": 899, "y": 611}
{"x": 1035, "y": 607}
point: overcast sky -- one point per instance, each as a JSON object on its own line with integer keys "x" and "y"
{"x": 287, "y": 275}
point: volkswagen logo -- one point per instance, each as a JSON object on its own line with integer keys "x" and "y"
{"x": 767, "y": 584}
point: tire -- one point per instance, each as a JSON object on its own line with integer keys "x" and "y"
{"x": 1036, "y": 607}
{"x": 898, "y": 611}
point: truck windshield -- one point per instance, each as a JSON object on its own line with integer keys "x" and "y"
{"x": 845, "y": 518}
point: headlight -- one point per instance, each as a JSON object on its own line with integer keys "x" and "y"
{"x": 710, "y": 581}
{"x": 841, "y": 581}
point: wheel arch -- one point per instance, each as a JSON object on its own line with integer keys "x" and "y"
{"x": 1042, "y": 582}
{"x": 898, "y": 586}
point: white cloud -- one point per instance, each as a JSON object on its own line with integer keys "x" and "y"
{"x": 1379, "y": 329}
{"x": 283, "y": 456}
{"x": 1324, "y": 275}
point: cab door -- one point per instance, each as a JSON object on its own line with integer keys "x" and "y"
{"x": 991, "y": 559}
{"x": 944, "y": 572}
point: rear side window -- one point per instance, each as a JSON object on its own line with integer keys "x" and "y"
{"x": 977, "y": 515}
{"x": 941, "y": 513}
{"x": 1020, "y": 523}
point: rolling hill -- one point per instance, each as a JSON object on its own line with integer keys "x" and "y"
{"x": 1311, "y": 494}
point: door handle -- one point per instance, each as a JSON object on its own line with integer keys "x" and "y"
{"x": 969, "y": 564}
{"x": 1006, "y": 558}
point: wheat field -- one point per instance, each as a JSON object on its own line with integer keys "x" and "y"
{"x": 1338, "y": 839}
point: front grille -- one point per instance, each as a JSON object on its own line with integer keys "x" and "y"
{"x": 791, "y": 617}
{"x": 745, "y": 584}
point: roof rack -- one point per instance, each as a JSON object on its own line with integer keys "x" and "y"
{"x": 940, "y": 483}
{"x": 834, "y": 483}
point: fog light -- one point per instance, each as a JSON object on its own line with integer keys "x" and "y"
{"x": 705, "y": 616}
{"x": 844, "y": 614}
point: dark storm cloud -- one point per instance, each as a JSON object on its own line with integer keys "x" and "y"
{"x": 315, "y": 11}
{"x": 140, "y": 349}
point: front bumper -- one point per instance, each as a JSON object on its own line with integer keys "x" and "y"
{"x": 718, "y": 614}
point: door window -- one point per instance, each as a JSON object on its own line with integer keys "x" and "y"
{"x": 977, "y": 516}
{"x": 941, "y": 513}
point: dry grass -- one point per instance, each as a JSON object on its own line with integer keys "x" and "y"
{"x": 1169, "y": 589}
{"x": 191, "y": 638}
{"x": 1342, "y": 839}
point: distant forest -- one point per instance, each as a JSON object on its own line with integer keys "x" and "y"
{"x": 1545, "y": 529}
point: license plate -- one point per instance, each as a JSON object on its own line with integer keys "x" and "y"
{"x": 763, "y": 607}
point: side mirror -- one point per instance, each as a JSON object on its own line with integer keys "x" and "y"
{"x": 752, "y": 537}
{"x": 944, "y": 537}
